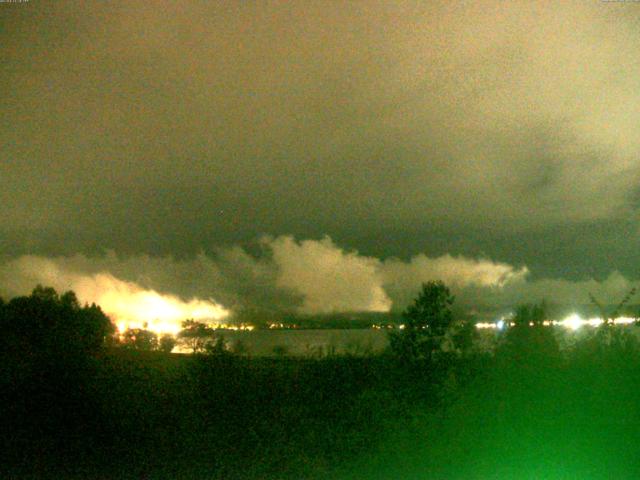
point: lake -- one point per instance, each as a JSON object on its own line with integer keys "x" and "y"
{"x": 319, "y": 342}
{"x": 308, "y": 342}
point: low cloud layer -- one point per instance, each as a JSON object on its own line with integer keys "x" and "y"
{"x": 308, "y": 276}
{"x": 328, "y": 278}
{"x": 126, "y": 302}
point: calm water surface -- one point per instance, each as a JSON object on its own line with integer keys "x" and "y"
{"x": 309, "y": 342}
{"x": 359, "y": 341}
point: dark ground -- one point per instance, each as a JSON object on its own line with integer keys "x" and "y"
{"x": 128, "y": 414}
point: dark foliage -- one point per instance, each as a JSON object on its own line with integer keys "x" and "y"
{"x": 529, "y": 344}
{"x": 429, "y": 334}
{"x": 426, "y": 321}
{"x": 72, "y": 408}
{"x": 49, "y": 346}
{"x": 49, "y": 324}
{"x": 140, "y": 339}
{"x": 167, "y": 343}
{"x": 196, "y": 335}
{"x": 75, "y": 410}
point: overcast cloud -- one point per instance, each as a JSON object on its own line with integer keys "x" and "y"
{"x": 493, "y": 144}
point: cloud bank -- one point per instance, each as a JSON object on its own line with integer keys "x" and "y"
{"x": 311, "y": 276}
{"x": 328, "y": 278}
{"x": 126, "y": 302}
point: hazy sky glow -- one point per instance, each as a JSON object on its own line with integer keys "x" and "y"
{"x": 322, "y": 156}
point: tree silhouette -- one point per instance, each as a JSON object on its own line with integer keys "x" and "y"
{"x": 530, "y": 314}
{"x": 426, "y": 323}
{"x": 528, "y": 342}
{"x": 607, "y": 336}
{"x": 217, "y": 347}
{"x": 609, "y": 317}
{"x": 167, "y": 343}
{"x": 196, "y": 335}
{"x": 45, "y": 322}
{"x": 50, "y": 349}
{"x": 140, "y": 339}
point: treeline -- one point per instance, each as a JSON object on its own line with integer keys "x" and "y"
{"x": 73, "y": 406}
{"x": 194, "y": 337}
{"x": 50, "y": 347}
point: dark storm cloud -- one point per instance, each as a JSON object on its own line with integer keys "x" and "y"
{"x": 504, "y": 130}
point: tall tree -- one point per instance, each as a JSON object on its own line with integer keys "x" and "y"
{"x": 426, "y": 324}
{"x": 45, "y": 322}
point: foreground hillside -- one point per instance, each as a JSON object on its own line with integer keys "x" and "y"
{"x": 172, "y": 416}
{"x": 73, "y": 407}
{"x": 579, "y": 418}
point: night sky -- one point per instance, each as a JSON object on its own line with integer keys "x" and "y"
{"x": 321, "y": 156}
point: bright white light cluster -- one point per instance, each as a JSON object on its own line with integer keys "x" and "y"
{"x": 499, "y": 324}
{"x": 572, "y": 322}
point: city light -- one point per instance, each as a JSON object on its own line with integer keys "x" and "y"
{"x": 572, "y": 322}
